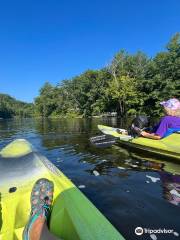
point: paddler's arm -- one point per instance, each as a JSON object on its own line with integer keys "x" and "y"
{"x": 162, "y": 128}
{"x": 150, "y": 135}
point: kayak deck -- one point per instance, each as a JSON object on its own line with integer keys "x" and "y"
{"x": 73, "y": 215}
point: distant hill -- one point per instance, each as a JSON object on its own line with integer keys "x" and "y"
{"x": 10, "y": 107}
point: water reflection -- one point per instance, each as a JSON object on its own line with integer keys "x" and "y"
{"x": 69, "y": 126}
{"x": 121, "y": 189}
{"x": 171, "y": 187}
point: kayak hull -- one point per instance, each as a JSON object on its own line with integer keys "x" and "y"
{"x": 152, "y": 152}
{"x": 73, "y": 215}
{"x": 168, "y": 147}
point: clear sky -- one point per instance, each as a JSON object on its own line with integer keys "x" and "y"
{"x": 52, "y": 40}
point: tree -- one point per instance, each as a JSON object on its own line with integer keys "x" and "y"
{"x": 46, "y": 101}
{"x": 122, "y": 91}
{"x": 131, "y": 83}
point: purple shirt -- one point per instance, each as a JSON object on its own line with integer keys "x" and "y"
{"x": 165, "y": 123}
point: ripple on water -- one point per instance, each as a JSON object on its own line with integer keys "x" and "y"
{"x": 121, "y": 190}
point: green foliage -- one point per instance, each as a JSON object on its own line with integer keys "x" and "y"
{"x": 162, "y": 80}
{"x": 123, "y": 91}
{"x": 46, "y": 103}
{"x": 130, "y": 84}
{"x": 10, "y": 107}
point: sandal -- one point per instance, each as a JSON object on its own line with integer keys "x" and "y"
{"x": 41, "y": 201}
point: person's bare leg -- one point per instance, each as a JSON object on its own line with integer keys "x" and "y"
{"x": 46, "y": 235}
{"x": 40, "y": 231}
{"x": 37, "y": 227}
{"x": 41, "y": 201}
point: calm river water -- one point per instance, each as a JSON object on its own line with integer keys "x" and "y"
{"x": 130, "y": 191}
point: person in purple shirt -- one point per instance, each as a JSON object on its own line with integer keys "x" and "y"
{"x": 169, "y": 123}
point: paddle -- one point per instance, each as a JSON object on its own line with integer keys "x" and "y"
{"x": 103, "y": 140}
{"x": 110, "y": 137}
{"x": 107, "y": 140}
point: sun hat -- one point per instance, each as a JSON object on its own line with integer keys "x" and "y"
{"x": 173, "y": 104}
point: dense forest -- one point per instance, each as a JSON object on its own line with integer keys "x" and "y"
{"x": 129, "y": 84}
{"x": 10, "y": 107}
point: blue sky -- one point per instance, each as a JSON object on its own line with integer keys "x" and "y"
{"x": 55, "y": 40}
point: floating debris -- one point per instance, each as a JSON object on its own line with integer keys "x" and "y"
{"x": 96, "y": 173}
{"x": 127, "y": 191}
{"x": 176, "y": 234}
{"x": 81, "y": 186}
{"x": 84, "y": 162}
{"x": 133, "y": 165}
{"x": 104, "y": 160}
{"x": 153, "y": 236}
{"x": 147, "y": 182}
{"x": 153, "y": 179}
{"x": 121, "y": 168}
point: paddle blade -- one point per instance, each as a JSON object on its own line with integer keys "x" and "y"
{"x": 103, "y": 141}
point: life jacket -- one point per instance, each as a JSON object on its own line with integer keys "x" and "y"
{"x": 171, "y": 131}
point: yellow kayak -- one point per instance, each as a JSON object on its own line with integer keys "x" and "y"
{"x": 168, "y": 147}
{"x": 73, "y": 216}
